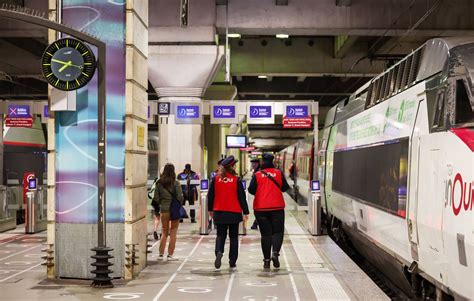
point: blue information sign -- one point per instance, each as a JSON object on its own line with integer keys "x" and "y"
{"x": 46, "y": 111}
{"x": 223, "y": 111}
{"x": 187, "y": 112}
{"x": 260, "y": 111}
{"x": 297, "y": 111}
{"x": 18, "y": 111}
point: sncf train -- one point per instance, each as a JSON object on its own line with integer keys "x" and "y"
{"x": 396, "y": 165}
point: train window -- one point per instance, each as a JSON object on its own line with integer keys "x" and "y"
{"x": 370, "y": 93}
{"x": 375, "y": 175}
{"x": 439, "y": 118}
{"x": 400, "y": 76}
{"x": 415, "y": 66}
{"x": 464, "y": 113}
{"x": 406, "y": 72}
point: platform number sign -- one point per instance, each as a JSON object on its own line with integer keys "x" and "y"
{"x": 68, "y": 64}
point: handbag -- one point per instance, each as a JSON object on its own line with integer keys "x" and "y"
{"x": 177, "y": 211}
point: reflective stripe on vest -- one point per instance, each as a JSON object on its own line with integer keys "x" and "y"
{"x": 225, "y": 191}
{"x": 268, "y": 195}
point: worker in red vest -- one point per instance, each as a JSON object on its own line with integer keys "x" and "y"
{"x": 268, "y": 185}
{"x": 226, "y": 202}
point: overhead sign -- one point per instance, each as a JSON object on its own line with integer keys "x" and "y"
{"x": 18, "y": 111}
{"x": 224, "y": 113}
{"x": 260, "y": 113}
{"x": 188, "y": 113}
{"x": 19, "y": 122}
{"x": 297, "y": 116}
{"x": 298, "y": 111}
{"x": 247, "y": 149}
{"x": 297, "y": 123}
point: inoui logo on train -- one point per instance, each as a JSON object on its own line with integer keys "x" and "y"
{"x": 459, "y": 194}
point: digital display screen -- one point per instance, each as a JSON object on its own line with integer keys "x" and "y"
{"x": 244, "y": 183}
{"x": 32, "y": 184}
{"x": 205, "y": 184}
{"x": 315, "y": 185}
{"x": 236, "y": 141}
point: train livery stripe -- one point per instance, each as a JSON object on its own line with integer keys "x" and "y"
{"x": 17, "y": 143}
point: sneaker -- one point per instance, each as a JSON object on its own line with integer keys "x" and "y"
{"x": 160, "y": 257}
{"x": 155, "y": 235}
{"x": 218, "y": 261}
{"x": 171, "y": 258}
{"x": 181, "y": 220}
{"x": 233, "y": 268}
{"x": 266, "y": 264}
{"x": 276, "y": 262}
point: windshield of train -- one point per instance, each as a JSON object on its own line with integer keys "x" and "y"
{"x": 465, "y": 87}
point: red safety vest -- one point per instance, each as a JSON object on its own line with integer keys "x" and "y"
{"x": 268, "y": 196}
{"x": 225, "y": 191}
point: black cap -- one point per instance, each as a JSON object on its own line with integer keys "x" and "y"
{"x": 229, "y": 161}
{"x": 268, "y": 157}
{"x": 187, "y": 166}
{"x": 220, "y": 161}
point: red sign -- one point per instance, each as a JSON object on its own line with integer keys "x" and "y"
{"x": 27, "y": 176}
{"x": 248, "y": 148}
{"x": 297, "y": 123}
{"x": 22, "y": 122}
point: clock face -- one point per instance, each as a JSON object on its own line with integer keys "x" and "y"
{"x": 68, "y": 64}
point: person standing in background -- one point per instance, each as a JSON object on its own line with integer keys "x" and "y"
{"x": 227, "y": 202}
{"x": 189, "y": 190}
{"x": 268, "y": 185}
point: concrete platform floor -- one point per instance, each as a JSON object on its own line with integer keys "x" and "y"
{"x": 313, "y": 268}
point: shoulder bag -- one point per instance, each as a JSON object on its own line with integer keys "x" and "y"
{"x": 177, "y": 211}
{"x": 271, "y": 179}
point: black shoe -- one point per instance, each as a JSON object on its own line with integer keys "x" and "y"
{"x": 266, "y": 264}
{"x": 180, "y": 220}
{"x": 218, "y": 261}
{"x": 155, "y": 235}
{"x": 232, "y": 265}
{"x": 193, "y": 220}
{"x": 276, "y": 262}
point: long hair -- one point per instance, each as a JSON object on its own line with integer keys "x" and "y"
{"x": 168, "y": 176}
{"x": 223, "y": 171}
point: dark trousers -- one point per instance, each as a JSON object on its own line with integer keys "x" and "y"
{"x": 234, "y": 240}
{"x": 272, "y": 228}
{"x": 192, "y": 212}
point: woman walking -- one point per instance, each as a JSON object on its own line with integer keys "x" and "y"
{"x": 166, "y": 190}
{"x": 267, "y": 185}
{"x": 226, "y": 203}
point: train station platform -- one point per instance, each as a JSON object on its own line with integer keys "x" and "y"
{"x": 312, "y": 268}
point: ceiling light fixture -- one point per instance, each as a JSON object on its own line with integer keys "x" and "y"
{"x": 282, "y": 36}
{"x": 234, "y": 35}
{"x": 263, "y": 76}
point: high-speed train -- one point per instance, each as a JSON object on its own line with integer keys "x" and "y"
{"x": 396, "y": 165}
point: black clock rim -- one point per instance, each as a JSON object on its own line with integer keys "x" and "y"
{"x": 54, "y": 81}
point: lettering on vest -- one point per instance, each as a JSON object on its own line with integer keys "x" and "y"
{"x": 225, "y": 180}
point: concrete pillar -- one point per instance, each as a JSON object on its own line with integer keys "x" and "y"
{"x": 136, "y": 146}
{"x": 181, "y": 143}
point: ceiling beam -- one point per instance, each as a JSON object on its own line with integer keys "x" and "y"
{"x": 345, "y": 74}
{"x": 295, "y": 93}
{"x": 343, "y": 44}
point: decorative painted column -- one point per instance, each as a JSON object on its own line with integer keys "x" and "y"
{"x": 72, "y": 164}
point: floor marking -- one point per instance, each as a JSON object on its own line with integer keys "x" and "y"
{"x": 21, "y": 272}
{"x": 163, "y": 289}
{"x": 19, "y": 252}
{"x": 232, "y": 276}
{"x": 293, "y": 284}
{"x": 14, "y": 238}
{"x": 325, "y": 285}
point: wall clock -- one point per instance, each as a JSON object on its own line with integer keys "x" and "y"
{"x": 68, "y": 64}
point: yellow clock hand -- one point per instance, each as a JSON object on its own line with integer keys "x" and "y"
{"x": 58, "y": 61}
{"x": 68, "y": 64}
